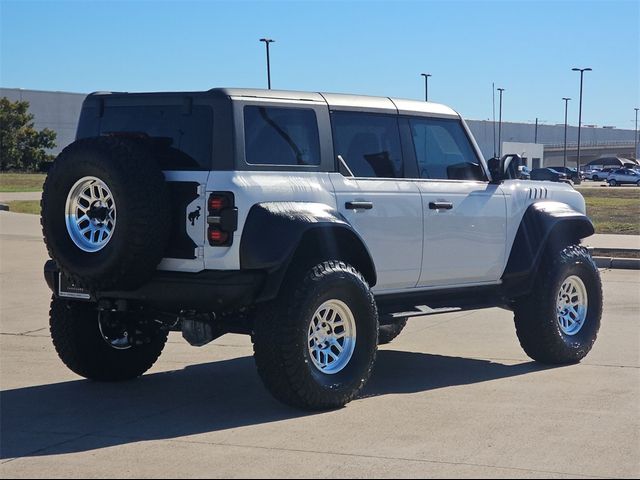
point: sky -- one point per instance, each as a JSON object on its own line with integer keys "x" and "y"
{"x": 364, "y": 47}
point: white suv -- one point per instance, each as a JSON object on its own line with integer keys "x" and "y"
{"x": 316, "y": 223}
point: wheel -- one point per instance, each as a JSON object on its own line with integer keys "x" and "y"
{"x": 315, "y": 346}
{"x": 119, "y": 347}
{"x": 638, "y": 183}
{"x": 595, "y": 178}
{"x": 559, "y": 322}
{"x": 105, "y": 213}
{"x": 612, "y": 183}
{"x": 388, "y": 333}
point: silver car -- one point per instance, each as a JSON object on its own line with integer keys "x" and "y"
{"x": 623, "y": 176}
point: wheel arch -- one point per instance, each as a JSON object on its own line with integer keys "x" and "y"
{"x": 546, "y": 227}
{"x": 280, "y": 236}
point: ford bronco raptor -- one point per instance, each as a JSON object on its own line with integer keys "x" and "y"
{"x": 315, "y": 223}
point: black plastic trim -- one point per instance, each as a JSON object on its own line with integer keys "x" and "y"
{"x": 546, "y": 227}
{"x": 206, "y": 291}
{"x": 455, "y": 299}
{"x": 273, "y": 232}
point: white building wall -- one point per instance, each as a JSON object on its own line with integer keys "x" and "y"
{"x": 532, "y": 153}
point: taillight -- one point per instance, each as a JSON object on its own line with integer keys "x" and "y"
{"x": 217, "y": 236}
{"x": 222, "y": 219}
{"x": 217, "y": 202}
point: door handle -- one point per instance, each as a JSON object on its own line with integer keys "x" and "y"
{"x": 358, "y": 205}
{"x": 440, "y": 205}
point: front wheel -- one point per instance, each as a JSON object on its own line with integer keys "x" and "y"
{"x": 612, "y": 183}
{"x": 118, "y": 347}
{"x": 559, "y": 322}
{"x": 315, "y": 346}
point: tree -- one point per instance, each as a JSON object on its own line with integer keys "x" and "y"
{"x": 22, "y": 147}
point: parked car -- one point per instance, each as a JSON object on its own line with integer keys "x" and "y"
{"x": 524, "y": 173}
{"x": 623, "y": 176}
{"x": 603, "y": 174}
{"x": 548, "y": 174}
{"x": 571, "y": 173}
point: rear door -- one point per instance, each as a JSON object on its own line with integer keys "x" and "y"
{"x": 464, "y": 215}
{"x": 383, "y": 207}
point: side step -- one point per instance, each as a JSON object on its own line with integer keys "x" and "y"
{"x": 415, "y": 304}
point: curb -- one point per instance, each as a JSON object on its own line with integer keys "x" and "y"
{"x": 4, "y": 207}
{"x": 621, "y": 263}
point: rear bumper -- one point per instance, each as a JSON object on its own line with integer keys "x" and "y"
{"x": 207, "y": 291}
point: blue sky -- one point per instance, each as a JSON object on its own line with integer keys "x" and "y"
{"x": 378, "y": 48}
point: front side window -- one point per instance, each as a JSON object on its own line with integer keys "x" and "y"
{"x": 281, "y": 136}
{"x": 368, "y": 143}
{"x": 444, "y": 151}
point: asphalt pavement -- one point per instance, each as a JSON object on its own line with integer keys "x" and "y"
{"x": 453, "y": 396}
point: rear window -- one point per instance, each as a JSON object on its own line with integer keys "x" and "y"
{"x": 190, "y": 134}
{"x": 369, "y": 143}
{"x": 281, "y": 136}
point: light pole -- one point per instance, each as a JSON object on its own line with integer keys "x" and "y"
{"x": 267, "y": 41}
{"x": 426, "y": 86}
{"x": 635, "y": 143}
{"x": 566, "y": 107}
{"x": 500, "y": 125}
{"x": 581, "y": 70}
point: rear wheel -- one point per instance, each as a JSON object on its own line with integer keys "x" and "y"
{"x": 121, "y": 346}
{"x": 316, "y": 345}
{"x": 559, "y": 322}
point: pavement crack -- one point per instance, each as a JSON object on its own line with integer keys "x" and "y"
{"x": 44, "y": 449}
{"x": 364, "y": 456}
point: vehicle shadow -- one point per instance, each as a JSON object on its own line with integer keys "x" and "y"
{"x": 81, "y": 415}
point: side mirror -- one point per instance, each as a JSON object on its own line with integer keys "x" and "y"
{"x": 504, "y": 168}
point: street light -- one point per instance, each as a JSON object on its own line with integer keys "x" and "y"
{"x": 566, "y": 106}
{"x": 267, "y": 41}
{"x": 581, "y": 70}
{"x": 500, "y": 125}
{"x": 426, "y": 86}
{"x": 635, "y": 143}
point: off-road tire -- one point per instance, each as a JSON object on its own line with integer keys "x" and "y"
{"x": 388, "y": 333}
{"x": 536, "y": 318}
{"x": 143, "y": 222}
{"x": 80, "y": 345}
{"x": 280, "y": 338}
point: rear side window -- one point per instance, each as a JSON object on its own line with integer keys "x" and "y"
{"x": 368, "y": 143}
{"x": 188, "y": 136}
{"x": 443, "y": 150}
{"x": 281, "y": 136}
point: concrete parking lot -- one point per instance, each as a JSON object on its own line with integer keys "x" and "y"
{"x": 454, "y": 396}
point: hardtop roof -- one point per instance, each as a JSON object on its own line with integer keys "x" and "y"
{"x": 336, "y": 100}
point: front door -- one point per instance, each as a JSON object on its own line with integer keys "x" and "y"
{"x": 464, "y": 215}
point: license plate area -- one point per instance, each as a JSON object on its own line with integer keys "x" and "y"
{"x": 68, "y": 289}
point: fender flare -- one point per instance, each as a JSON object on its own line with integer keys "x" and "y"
{"x": 275, "y": 232}
{"x": 546, "y": 226}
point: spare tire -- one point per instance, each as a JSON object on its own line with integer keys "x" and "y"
{"x": 106, "y": 213}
